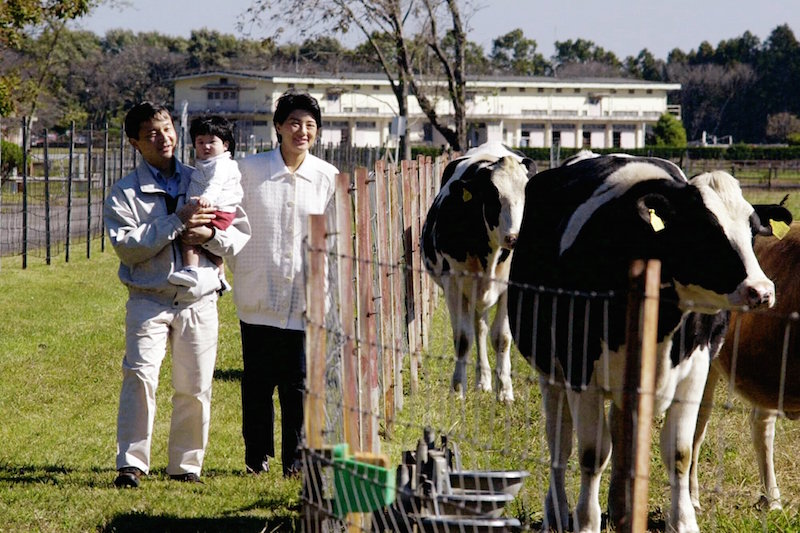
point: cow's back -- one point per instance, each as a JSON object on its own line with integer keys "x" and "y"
{"x": 759, "y": 351}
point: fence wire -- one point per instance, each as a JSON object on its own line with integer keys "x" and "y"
{"x": 436, "y": 435}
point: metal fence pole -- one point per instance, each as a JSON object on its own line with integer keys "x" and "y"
{"x": 105, "y": 180}
{"x": 25, "y": 155}
{"x": 69, "y": 190}
{"x": 89, "y": 193}
{"x": 46, "y": 199}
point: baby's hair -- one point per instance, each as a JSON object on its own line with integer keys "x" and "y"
{"x": 214, "y": 125}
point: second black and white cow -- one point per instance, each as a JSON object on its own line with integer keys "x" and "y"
{"x": 583, "y": 225}
{"x": 467, "y": 239}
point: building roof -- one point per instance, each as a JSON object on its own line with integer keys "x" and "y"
{"x": 379, "y": 78}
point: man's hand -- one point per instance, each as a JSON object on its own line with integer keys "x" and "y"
{"x": 193, "y": 215}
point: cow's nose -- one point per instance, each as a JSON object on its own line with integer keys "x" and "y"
{"x": 760, "y": 294}
{"x": 511, "y": 240}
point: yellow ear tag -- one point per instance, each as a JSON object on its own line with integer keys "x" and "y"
{"x": 656, "y": 221}
{"x": 779, "y": 228}
{"x": 466, "y": 195}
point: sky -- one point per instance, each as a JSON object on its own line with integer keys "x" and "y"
{"x": 623, "y": 27}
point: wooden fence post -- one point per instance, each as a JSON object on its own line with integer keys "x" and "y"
{"x": 408, "y": 240}
{"x": 639, "y": 389}
{"x": 351, "y": 414}
{"x": 315, "y": 334}
{"x": 382, "y": 243}
{"x": 398, "y": 281}
{"x": 366, "y": 315}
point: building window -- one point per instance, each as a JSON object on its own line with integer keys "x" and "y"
{"x": 576, "y": 90}
{"x": 587, "y": 139}
{"x": 223, "y": 81}
{"x": 310, "y": 85}
{"x": 365, "y": 125}
{"x": 427, "y": 132}
{"x": 376, "y": 87}
{"x": 540, "y": 90}
{"x": 558, "y": 90}
{"x": 616, "y": 139}
{"x": 503, "y": 89}
{"x": 521, "y": 89}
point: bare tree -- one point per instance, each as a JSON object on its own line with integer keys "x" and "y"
{"x": 403, "y": 23}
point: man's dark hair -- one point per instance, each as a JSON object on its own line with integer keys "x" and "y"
{"x": 292, "y": 100}
{"x": 214, "y": 125}
{"x": 142, "y": 112}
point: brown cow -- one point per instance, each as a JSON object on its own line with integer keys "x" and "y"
{"x": 761, "y": 355}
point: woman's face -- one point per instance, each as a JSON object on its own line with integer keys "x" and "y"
{"x": 298, "y": 132}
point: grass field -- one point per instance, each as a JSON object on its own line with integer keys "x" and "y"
{"x": 61, "y": 345}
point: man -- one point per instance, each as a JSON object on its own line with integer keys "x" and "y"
{"x": 281, "y": 188}
{"x": 147, "y": 216}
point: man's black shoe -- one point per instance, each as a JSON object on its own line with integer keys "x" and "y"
{"x": 189, "y": 477}
{"x": 128, "y": 477}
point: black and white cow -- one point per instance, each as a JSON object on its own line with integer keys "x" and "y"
{"x": 583, "y": 225}
{"x": 467, "y": 239}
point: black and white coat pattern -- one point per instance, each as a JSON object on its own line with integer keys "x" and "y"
{"x": 583, "y": 224}
{"x": 467, "y": 239}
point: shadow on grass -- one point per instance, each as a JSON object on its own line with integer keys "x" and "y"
{"x": 131, "y": 522}
{"x": 228, "y": 374}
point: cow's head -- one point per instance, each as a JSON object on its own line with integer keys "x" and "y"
{"x": 705, "y": 233}
{"x": 504, "y": 201}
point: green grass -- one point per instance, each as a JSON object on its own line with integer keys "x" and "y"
{"x": 61, "y": 347}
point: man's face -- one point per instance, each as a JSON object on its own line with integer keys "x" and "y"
{"x": 156, "y": 142}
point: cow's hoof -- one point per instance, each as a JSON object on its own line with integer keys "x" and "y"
{"x": 484, "y": 385}
{"x": 505, "y": 396}
{"x": 768, "y": 504}
{"x": 458, "y": 391}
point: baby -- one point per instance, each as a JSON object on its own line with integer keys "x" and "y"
{"x": 214, "y": 183}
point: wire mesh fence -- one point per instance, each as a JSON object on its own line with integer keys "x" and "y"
{"x": 392, "y": 448}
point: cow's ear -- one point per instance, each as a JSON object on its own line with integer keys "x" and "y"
{"x": 530, "y": 165}
{"x": 655, "y": 210}
{"x": 773, "y": 219}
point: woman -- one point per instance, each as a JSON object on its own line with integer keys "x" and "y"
{"x": 281, "y": 188}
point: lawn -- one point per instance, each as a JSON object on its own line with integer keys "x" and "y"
{"x": 61, "y": 347}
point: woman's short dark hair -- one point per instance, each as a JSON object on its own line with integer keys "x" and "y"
{"x": 142, "y": 112}
{"x": 292, "y": 100}
{"x": 214, "y": 125}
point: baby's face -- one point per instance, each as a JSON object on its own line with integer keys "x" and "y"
{"x": 208, "y": 146}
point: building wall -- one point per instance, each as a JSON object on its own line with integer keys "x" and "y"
{"x": 358, "y": 109}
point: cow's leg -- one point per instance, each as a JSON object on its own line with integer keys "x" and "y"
{"x": 501, "y": 339}
{"x": 703, "y": 415}
{"x": 558, "y": 428}
{"x": 594, "y": 450}
{"x": 762, "y": 431}
{"x": 677, "y": 436}
{"x": 463, "y": 332}
{"x": 618, "y": 498}
{"x": 483, "y": 372}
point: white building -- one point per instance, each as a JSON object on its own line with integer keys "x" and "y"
{"x": 359, "y": 109}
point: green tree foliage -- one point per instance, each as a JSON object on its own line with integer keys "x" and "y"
{"x": 669, "y": 131}
{"x": 513, "y": 53}
{"x": 11, "y": 158}
{"x": 645, "y": 66}
{"x": 17, "y": 17}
